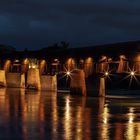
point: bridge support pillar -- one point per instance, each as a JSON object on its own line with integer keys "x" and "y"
{"x": 49, "y": 83}
{"x": 33, "y": 79}
{"x": 77, "y": 82}
{"x": 2, "y": 78}
{"x": 15, "y": 80}
{"x": 102, "y": 87}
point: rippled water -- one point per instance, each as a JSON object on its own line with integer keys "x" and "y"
{"x": 48, "y": 115}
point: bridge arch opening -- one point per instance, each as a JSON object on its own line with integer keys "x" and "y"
{"x": 102, "y": 65}
{"x": 42, "y": 66}
{"x": 137, "y": 63}
{"x": 70, "y": 64}
{"x": 16, "y": 66}
{"x": 81, "y": 64}
{"x": 55, "y": 66}
{"x": 7, "y": 66}
{"x": 123, "y": 64}
{"x": 88, "y": 66}
{"x": 25, "y": 65}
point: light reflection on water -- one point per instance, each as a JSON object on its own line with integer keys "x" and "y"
{"x": 48, "y": 115}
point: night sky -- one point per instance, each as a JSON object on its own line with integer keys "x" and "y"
{"x": 34, "y": 24}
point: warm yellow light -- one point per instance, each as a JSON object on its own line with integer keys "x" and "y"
{"x": 137, "y": 57}
{"x": 68, "y": 73}
{"x": 81, "y": 61}
{"x": 106, "y": 73}
{"x": 89, "y": 60}
{"x": 55, "y": 59}
{"x": 109, "y": 59}
{"x": 43, "y": 62}
{"x": 131, "y": 119}
{"x": 16, "y": 60}
{"x": 132, "y": 73}
{"x": 122, "y": 56}
{"x": 33, "y": 66}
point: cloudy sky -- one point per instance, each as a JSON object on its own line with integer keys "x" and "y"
{"x": 35, "y": 24}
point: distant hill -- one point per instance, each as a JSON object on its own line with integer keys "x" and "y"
{"x": 111, "y": 50}
{"x": 63, "y": 51}
{"x": 6, "y": 49}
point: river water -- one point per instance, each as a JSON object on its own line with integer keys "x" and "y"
{"x": 47, "y": 115}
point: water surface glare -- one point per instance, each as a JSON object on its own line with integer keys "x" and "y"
{"x": 47, "y": 115}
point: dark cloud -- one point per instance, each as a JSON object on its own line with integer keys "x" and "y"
{"x": 37, "y": 23}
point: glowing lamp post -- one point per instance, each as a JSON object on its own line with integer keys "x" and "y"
{"x": 68, "y": 73}
{"x": 106, "y": 74}
{"x": 132, "y": 73}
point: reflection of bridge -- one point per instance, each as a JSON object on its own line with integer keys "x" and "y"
{"x": 35, "y": 110}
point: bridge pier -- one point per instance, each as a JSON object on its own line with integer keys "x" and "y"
{"x": 2, "y": 78}
{"x": 49, "y": 83}
{"x": 33, "y": 79}
{"x": 77, "y": 82}
{"x": 15, "y": 80}
{"x": 95, "y": 85}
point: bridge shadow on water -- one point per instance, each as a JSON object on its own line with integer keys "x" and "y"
{"x": 123, "y": 85}
{"x": 116, "y": 84}
{"x": 63, "y": 82}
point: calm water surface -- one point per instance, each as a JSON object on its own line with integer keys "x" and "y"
{"x": 46, "y": 115}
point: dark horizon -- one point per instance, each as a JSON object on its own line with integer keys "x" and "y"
{"x": 80, "y": 45}
{"x": 60, "y": 45}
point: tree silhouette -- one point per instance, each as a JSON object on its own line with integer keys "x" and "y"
{"x": 64, "y": 44}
